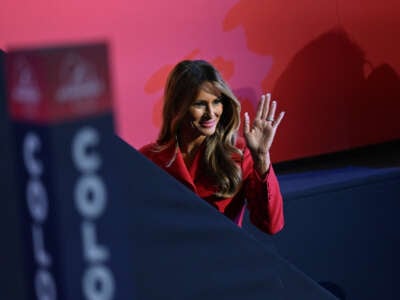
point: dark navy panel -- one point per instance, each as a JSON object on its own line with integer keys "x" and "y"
{"x": 185, "y": 249}
{"x": 342, "y": 229}
{"x": 111, "y": 226}
{"x": 75, "y": 276}
{"x": 12, "y": 281}
{"x": 50, "y": 227}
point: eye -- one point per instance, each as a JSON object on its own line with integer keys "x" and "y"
{"x": 198, "y": 104}
{"x": 217, "y": 101}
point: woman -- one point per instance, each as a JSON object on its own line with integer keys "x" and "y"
{"x": 198, "y": 145}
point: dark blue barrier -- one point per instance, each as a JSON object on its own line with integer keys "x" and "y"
{"x": 11, "y": 270}
{"x": 184, "y": 248}
{"x": 342, "y": 229}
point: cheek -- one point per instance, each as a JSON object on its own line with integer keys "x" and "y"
{"x": 220, "y": 110}
{"x": 194, "y": 114}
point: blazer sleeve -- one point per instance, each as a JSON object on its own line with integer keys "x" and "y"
{"x": 264, "y": 198}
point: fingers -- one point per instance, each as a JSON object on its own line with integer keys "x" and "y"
{"x": 265, "y": 109}
{"x": 278, "y": 121}
{"x": 246, "y": 123}
{"x": 260, "y": 107}
{"x": 266, "y": 112}
{"x": 271, "y": 113}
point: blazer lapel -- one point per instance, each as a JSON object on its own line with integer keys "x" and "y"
{"x": 178, "y": 167}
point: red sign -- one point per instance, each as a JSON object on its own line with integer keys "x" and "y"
{"x": 55, "y": 84}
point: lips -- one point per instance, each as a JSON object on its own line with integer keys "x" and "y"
{"x": 208, "y": 124}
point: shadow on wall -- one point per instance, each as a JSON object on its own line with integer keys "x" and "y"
{"x": 345, "y": 104}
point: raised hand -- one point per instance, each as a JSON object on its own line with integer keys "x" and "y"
{"x": 260, "y": 134}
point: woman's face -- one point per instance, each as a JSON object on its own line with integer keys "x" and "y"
{"x": 205, "y": 113}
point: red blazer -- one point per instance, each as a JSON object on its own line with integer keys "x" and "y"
{"x": 264, "y": 199}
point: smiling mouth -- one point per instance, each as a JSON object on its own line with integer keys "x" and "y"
{"x": 208, "y": 124}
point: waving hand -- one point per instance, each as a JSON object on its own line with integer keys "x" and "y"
{"x": 260, "y": 134}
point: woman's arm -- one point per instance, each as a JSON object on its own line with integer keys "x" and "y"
{"x": 262, "y": 187}
{"x": 264, "y": 198}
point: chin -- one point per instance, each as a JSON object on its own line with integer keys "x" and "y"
{"x": 208, "y": 131}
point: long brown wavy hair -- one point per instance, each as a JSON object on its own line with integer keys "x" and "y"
{"x": 182, "y": 87}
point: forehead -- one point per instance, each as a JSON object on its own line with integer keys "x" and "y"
{"x": 205, "y": 96}
{"x": 208, "y": 91}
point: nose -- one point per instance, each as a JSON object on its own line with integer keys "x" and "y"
{"x": 210, "y": 110}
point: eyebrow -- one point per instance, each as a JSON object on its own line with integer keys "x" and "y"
{"x": 217, "y": 98}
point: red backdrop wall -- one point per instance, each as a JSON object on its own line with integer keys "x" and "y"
{"x": 332, "y": 65}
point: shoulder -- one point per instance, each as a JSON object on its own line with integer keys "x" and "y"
{"x": 148, "y": 149}
{"x": 158, "y": 154}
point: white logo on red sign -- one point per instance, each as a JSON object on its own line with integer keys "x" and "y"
{"x": 79, "y": 80}
{"x": 26, "y": 88}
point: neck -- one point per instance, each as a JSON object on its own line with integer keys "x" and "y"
{"x": 189, "y": 144}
